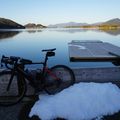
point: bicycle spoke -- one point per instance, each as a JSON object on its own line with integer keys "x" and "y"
{"x": 64, "y": 77}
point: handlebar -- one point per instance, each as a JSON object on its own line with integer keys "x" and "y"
{"x": 13, "y": 60}
{"x": 9, "y": 60}
{"x": 6, "y": 60}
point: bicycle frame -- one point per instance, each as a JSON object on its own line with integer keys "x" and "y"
{"x": 19, "y": 68}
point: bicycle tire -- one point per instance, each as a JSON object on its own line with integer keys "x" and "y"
{"x": 66, "y": 79}
{"x": 16, "y": 91}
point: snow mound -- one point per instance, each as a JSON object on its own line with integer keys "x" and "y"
{"x": 83, "y": 101}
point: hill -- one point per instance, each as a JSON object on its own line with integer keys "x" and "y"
{"x": 69, "y": 24}
{"x": 9, "y": 24}
{"x": 112, "y": 24}
{"x": 34, "y": 26}
{"x": 115, "y": 21}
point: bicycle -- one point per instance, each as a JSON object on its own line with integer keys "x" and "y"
{"x": 52, "y": 80}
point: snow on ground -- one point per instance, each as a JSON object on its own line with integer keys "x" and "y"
{"x": 83, "y": 101}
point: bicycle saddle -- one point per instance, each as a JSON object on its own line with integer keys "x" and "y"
{"x": 49, "y": 50}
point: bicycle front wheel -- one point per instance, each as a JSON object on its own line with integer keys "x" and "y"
{"x": 16, "y": 91}
{"x": 59, "y": 78}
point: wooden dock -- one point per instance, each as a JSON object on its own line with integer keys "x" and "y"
{"x": 89, "y": 50}
{"x": 95, "y": 51}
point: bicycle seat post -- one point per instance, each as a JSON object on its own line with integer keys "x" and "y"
{"x": 49, "y": 53}
{"x": 46, "y": 58}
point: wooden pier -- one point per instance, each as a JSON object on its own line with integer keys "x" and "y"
{"x": 95, "y": 51}
{"x": 88, "y": 50}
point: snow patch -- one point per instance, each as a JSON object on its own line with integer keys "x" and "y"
{"x": 83, "y": 101}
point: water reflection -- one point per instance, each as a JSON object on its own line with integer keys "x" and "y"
{"x": 12, "y": 33}
{"x": 73, "y": 30}
{"x": 33, "y": 30}
{"x": 8, "y": 34}
{"x": 112, "y": 32}
{"x": 69, "y": 30}
{"x": 29, "y": 45}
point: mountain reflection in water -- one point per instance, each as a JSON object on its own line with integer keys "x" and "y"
{"x": 8, "y": 34}
{"x": 75, "y": 30}
{"x": 69, "y": 30}
{"x": 33, "y": 30}
{"x": 112, "y": 32}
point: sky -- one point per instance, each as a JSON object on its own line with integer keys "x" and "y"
{"x": 59, "y": 11}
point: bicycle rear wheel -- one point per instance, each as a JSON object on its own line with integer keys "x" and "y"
{"x": 59, "y": 78}
{"x": 16, "y": 91}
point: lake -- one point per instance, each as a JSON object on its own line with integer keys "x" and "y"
{"x": 29, "y": 43}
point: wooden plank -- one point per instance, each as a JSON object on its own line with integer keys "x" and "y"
{"x": 93, "y": 51}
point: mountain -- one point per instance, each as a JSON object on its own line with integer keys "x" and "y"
{"x": 9, "y": 24}
{"x": 110, "y": 24}
{"x": 115, "y": 21}
{"x": 34, "y": 26}
{"x": 69, "y": 24}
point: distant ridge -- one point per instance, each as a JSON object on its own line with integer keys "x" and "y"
{"x": 9, "y": 24}
{"x": 112, "y": 22}
{"x": 61, "y": 25}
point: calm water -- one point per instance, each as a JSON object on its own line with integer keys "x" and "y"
{"x": 29, "y": 43}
